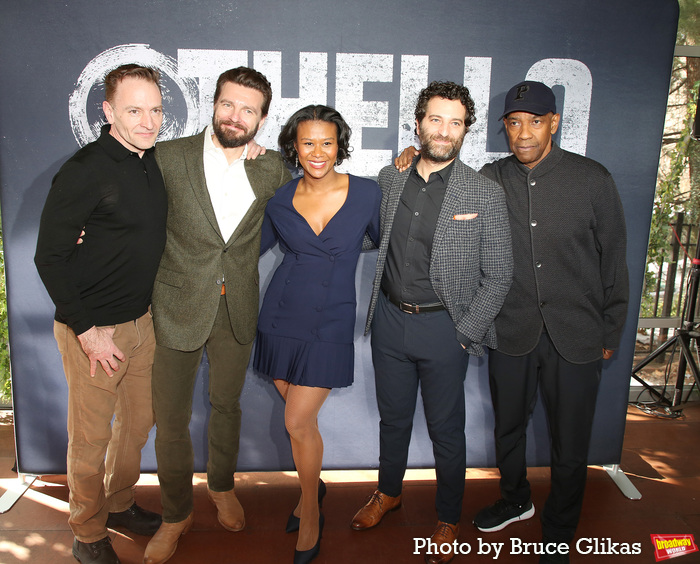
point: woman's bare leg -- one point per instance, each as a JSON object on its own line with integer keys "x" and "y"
{"x": 300, "y": 417}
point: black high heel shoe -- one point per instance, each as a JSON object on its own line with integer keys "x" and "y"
{"x": 293, "y": 520}
{"x": 306, "y": 556}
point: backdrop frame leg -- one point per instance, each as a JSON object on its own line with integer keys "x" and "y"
{"x": 622, "y": 481}
{"x": 12, "y": 495}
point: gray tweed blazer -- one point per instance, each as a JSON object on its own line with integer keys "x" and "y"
{"x": 472, "y": 263}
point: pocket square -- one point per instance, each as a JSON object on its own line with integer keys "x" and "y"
{"x": 463, "y": 216}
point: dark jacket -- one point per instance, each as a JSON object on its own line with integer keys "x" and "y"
{"x": 187, "y": 290}
{"x": 569, "y": 245}
{"x": 471, "y": 263}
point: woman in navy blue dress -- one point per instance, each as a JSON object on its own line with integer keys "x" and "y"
{"x": 306, "y": 324}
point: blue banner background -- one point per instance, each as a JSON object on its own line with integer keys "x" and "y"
{"x": 376, "y": 56}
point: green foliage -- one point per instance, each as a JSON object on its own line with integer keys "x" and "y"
{"x": 688, "y": 22}
{"x": 5, "y": 389}
{"x": 679, "y": 155}
{"x": 669, "y": 201}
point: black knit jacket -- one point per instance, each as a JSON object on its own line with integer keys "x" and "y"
{"x": 569, "y": 248}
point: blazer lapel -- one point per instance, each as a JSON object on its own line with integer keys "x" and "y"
{"x": 392, "y": 204}
{"x": 455, "y": 186}
{"x": 194, "y": 162}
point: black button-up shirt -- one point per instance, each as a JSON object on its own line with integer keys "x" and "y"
{"x": 407, "y": 271}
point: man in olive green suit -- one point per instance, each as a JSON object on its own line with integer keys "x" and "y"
{"x": 206, "y": 296}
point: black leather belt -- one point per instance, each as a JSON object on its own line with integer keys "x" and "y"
{"x": 415, "y": 308}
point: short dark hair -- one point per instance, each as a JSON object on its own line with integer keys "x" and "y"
{"x": 114, "y": 77}
{"x": 288, "y": 135}
{"x": 449, "y": 91}
{"x": 250, "y": 78}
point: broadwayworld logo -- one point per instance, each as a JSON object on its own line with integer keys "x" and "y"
{"x": 672, "y": 546}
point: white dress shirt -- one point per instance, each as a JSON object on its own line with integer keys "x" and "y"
{"x": 229, "y": 189}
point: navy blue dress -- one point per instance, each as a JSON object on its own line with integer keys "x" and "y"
{"x": 307, "y": 320}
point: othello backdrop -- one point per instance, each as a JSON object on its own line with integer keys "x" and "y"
{"x": 608, "y": 62}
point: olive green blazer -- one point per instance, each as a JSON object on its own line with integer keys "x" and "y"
{"x": 196, "y": 260}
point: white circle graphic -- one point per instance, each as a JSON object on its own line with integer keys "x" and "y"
{"x": 94, "y": 72}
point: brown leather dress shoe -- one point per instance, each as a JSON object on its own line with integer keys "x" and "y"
{"x": 163, "y": 544}
{"x": 444, "y": 534}
{"x": 229, "y": 510}
{"x": 373, "y": 511}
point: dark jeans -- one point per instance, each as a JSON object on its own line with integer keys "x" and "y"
{"x": 174, "y": 374}
{"x": 408, "y": 350}
{"x": 569, "y": 392}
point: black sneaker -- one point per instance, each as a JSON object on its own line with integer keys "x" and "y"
{"x": 135, "y": 519}
{"x": 98, "y": 552}
{"x": 501, "y": 514}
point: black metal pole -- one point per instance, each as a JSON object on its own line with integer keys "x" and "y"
{"x": 687, "y": 328}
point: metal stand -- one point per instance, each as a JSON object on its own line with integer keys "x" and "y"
{"x": 622, "y": 481}
{"x": 683, "y": 337}
{"x": 12, "y": 495}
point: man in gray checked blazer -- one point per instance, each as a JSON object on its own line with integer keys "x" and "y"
{"x": 443, "y": 271}
{"x": 206, "y": 296}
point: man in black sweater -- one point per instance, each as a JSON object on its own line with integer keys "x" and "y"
{"x": 114, "y": 190}
{"x": 563, "y": 315}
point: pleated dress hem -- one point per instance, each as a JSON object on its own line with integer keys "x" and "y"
{"x": 315, "y": 364}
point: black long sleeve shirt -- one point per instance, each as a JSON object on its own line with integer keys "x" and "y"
{"x": 120, "y": 201}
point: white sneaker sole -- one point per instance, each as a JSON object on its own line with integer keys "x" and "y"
{"x": 524, "y": 516}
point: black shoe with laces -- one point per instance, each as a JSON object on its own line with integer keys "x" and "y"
{"x": 136, "y": 519}
{"x": 98, "y": 552}
{"x": 501, "y": 514}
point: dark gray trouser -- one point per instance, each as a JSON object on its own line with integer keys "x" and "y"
{"x": 408, "y": 350}
{"x": 174, "y": 374}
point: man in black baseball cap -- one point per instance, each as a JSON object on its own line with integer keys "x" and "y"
{"x": 531, "y": 97}
{"x": 531, "y": 119}
{"x": 563, "y": 315}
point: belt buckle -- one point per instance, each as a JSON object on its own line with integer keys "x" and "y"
{"x": 403, "y": 306}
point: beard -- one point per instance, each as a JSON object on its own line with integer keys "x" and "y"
{"x": 439, "y": 153}
{"x": 231, "y": 139}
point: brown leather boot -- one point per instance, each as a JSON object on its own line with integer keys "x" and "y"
{"x": 229, "y": 510}
{"x": 376, "y": 507}
{"x": 445, "y": 533}
{"x": 163, "y": 544}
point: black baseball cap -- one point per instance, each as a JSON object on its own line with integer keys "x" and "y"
{"x": 531, "y": 97}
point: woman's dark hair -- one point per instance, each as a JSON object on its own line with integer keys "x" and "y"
{"x": 288, "y": 135}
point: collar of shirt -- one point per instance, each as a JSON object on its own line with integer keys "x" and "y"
{"x": 114, "y": 148}
{"x": 550, "y": 161}
{"x": 444, "y": 172}
{"x": 229, "y": 189}
{"x": 211, "y": 149}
